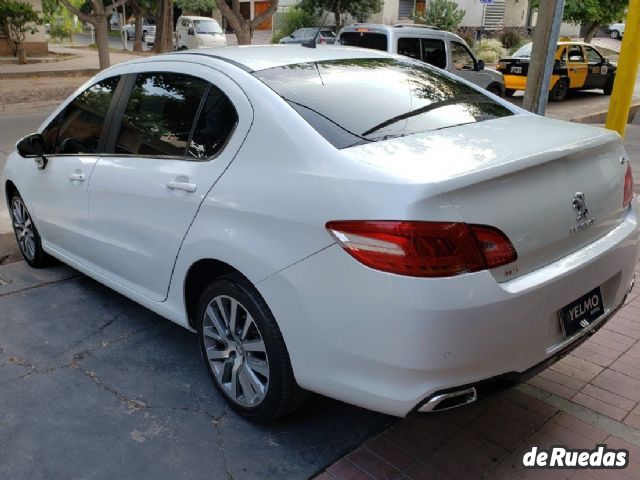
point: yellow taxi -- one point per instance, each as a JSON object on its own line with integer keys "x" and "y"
{"x": 577, "y": 66}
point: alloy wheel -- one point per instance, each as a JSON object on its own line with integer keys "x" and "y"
{"x": 23, "y": 226}
{"x": 236, "y": 351}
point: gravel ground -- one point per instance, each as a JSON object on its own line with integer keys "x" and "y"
{"x": 37, "y": 89}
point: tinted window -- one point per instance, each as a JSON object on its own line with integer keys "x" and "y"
{"x": 327, "y": 33}
{"x": 377, "y": 41}
{"x": 433, "y": 52}
{"x": 355, "y": 101}
{"x": 160, "y": 114}
{"x": 593, "y": 56}
{"x": 215, "y": 125}
{"x": 79, "y": 126}
{"x": 409, "y": 47}
{"x": 461, "y": 58}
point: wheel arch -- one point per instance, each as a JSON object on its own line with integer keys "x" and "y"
{"x": 9, "y": 189}
{"x": 199, "y": 275}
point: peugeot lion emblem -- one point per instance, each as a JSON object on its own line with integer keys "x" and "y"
{"x": 580, "y": 205}
{"x": 582, "y": 212}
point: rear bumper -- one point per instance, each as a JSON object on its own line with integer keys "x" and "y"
{"x": 387, "y": 342}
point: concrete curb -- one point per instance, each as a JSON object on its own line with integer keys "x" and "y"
{"x": 51, "y": 73}
{"x": 601, "y": 117}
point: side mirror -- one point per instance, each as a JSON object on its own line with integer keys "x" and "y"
{"x": 32, "y": 146}
{"x": 190, "y": 31}
{"x": 480, "y": 65}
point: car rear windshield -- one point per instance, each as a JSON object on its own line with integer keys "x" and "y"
{"x": 355, "y": 101}
{"x": 376, "y": 41}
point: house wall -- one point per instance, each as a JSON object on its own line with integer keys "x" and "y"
{"x": 35, "y": 45}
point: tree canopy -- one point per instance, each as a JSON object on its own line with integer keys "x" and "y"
{"x": 358, "y": 9}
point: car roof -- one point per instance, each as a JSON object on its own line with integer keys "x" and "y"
{"x": 195, "y": 17}
{"x": 261, "y": 57}
{"x": 402, "y": 29}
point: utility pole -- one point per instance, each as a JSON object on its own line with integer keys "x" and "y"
{"x": 545, "y": 43}
{"x": 626, "y": 73}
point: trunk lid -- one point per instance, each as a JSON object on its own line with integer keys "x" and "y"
{"x": 514, "y": 66}
{"x": 529, "y": 176}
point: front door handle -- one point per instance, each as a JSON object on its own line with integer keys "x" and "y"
{"x": 184, "y": 186}
{"x": 78, "y": 177}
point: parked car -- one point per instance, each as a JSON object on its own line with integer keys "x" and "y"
{"x": 577, "y": 66}
{"x": 616, "y": 30}
{"x": 408, "y": 254}
{"x": 303, "y": 35}
{"x": 442, "y": 49}
{"x": 148, "y": 27}
{"x": 198, "y": 32}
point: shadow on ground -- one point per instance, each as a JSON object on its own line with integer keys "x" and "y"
{"x": 93, "y": 385}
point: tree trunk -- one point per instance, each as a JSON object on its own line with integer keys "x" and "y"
{"x": 593, "y": 28}
{"x": 102, "y": 40}
{"x": 243, "y": 34}
{"x": 336, "y": 16}
{"x": 164, "y": 29}
{"x": 137, "y": 41}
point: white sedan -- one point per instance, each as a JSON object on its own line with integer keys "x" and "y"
{"x": 335, "y": 220}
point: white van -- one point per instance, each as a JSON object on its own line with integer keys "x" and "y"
{"x": 198, "y": 32}
{"x": 442, "y": 49}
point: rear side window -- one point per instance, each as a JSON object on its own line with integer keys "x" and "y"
{"x": 376, "y": 41}
{"x": 356, "y": 101}
{"x": 433, "y": 52}
{"x": 77, "y": 129}
{"x": 160, "y": 114}
{"x": 217, "y": 120}
{"x": 575, "y": 54}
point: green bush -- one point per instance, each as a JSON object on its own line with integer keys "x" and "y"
{"x": 63, "y": 27}
{"x": 294, "y": 18}
{"x": 490, "y": 50}
{"x": 443, "y": 14}
{"x": 16, "y": 20}
{"x": 468, "y": 34}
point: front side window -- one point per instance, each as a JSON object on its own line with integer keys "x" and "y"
{"x": 409, "y": 47}
{"x": 160, "y": 114}
{"x": 355, "y": 101}
{"x": 217, "y": 120}
{"x": 461, "y": 58}
{"x": 376, "y": 41}
{"x": 77, "y": 129}
{"x": 593, "y": 56}
{"x": 433, "y": 52}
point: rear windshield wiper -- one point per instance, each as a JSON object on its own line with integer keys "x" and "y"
{"x": 474, "y": 98}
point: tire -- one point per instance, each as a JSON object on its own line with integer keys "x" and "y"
{"x": 615, "y": 34}
{"x": 26, "y": 234}
{"x": 183, "y": 48}
{"x": 608, "y": 88}
{"x": 559, "y": 91}
{"x": 257, "y": 383}
{"x": 496, "y": 89}
{"x": 508, "y": 92}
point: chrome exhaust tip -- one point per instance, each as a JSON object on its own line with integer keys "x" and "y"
{"x": 447, "y": 401}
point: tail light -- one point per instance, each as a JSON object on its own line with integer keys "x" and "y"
{"x": 423, "y": 249}
{"x": 322, "y": 40}
{"x": 628, "y": 187}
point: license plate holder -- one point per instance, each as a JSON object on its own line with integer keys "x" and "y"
{"x": 581, "y": 313}
{"x": 516, "y": 69}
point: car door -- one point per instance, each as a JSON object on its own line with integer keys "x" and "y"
{"x": 577, "y": 66}
{"x": 173, "y": 136}
{"x": 598, "y": 69}
{"x": 74, "y": 140}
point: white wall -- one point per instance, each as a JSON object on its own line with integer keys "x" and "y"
{"x": 473, "y": 12}
{"x": 515, "y": 14}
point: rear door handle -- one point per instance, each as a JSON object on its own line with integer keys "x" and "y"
{"x": 184, "y": 186}
{"x": 78, "y": 177}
